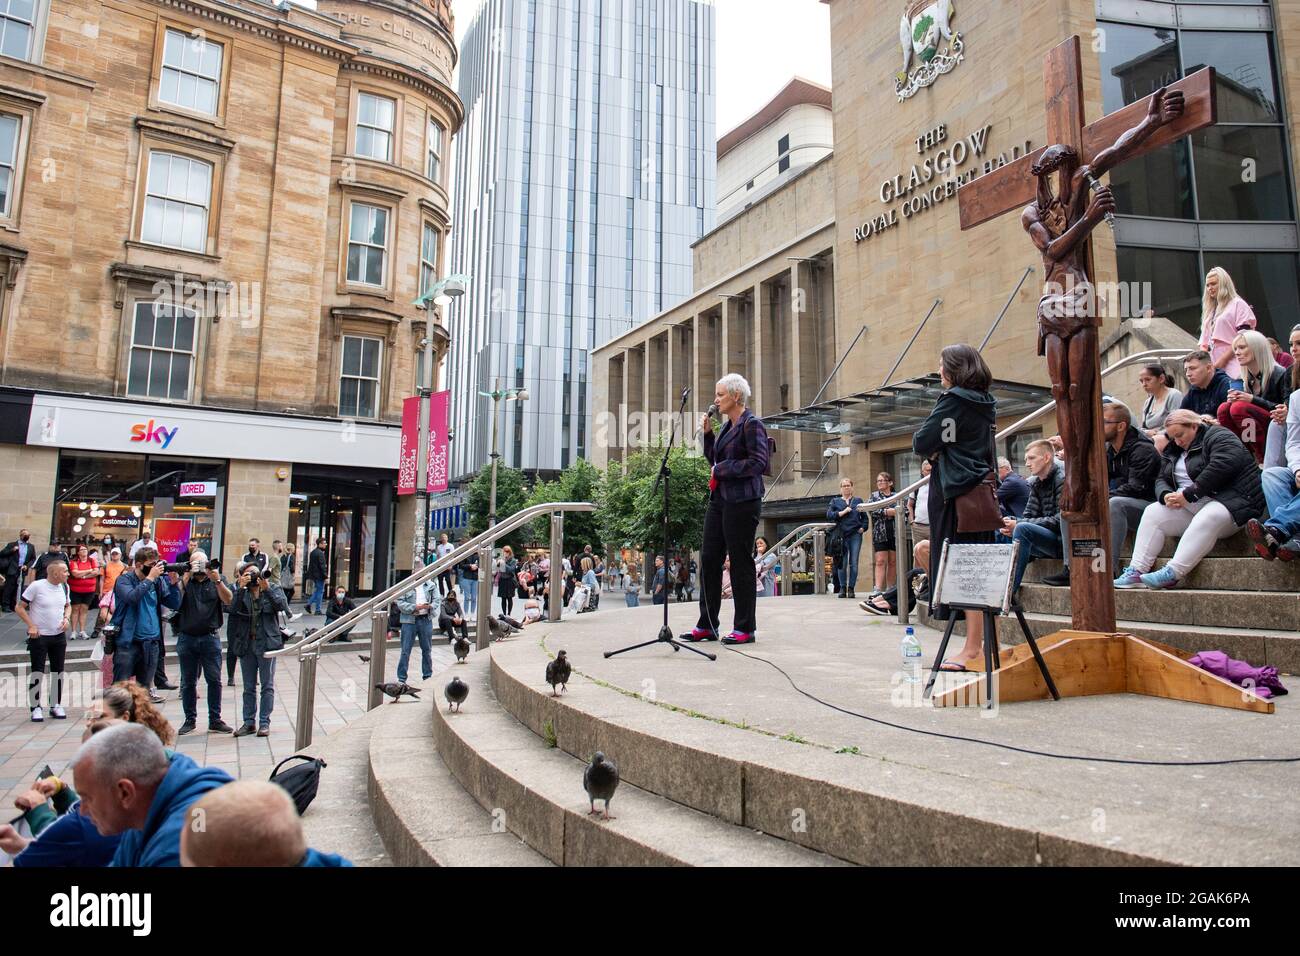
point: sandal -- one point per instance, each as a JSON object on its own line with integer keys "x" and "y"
{"x": 960, "y": 668}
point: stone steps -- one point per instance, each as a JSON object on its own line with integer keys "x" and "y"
{"x": 423, "y": 814}
{"x": 1278, "y": 648}
{"x": 1250, "y": 574}
{"x": 1266, "y": 610}
{"x": 537, "y": 791}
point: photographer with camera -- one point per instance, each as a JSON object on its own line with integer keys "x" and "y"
{"x": 139, "y": 595}
{"x": 255, "y": 629}
{"x": 198, "y": 643}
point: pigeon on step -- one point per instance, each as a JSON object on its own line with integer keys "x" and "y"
{"x": 397, "y": 690}
{"x": 456, "y": 692}
{"x": 558, "y": 671}
{"x": 462, "y": 650}
{"x": 502, "y": 626}
{"x": 600, "y": 780}
{"x": 365, "y": 658}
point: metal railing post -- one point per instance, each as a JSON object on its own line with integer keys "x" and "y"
{"x": 306, "y": 699}
{"x": 483, "y": 636}
{"x": 902, "y": 559}
{"x": 819, "y": 561}
{"x": 556, "y": 600}
{"x": 378, "y": 651}
{"x": 787, "y": 572}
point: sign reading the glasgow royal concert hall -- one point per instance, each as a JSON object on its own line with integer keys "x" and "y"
{"x": 929, "y": 45}
{"x": 945, "y": 164}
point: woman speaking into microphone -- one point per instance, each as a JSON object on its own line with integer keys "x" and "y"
{"x": 739, "y": 456}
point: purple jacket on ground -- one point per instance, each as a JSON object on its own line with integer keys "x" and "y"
{"x": 1263, "y": 680}
{"x": 739, "y": 455}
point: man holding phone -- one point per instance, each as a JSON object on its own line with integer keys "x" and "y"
{"x": 140, "y": 593}
{"x": 198, "y": 643}
{"x": 254, "y": 630}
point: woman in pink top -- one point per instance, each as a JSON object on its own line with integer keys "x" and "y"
{"x": 1223, "y": 315}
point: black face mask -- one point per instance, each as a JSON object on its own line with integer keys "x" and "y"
{"x": 25, "y": 538}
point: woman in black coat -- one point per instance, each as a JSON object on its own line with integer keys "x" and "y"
{"x": 507, "y": 580}
{"x": 1208, "y": 487}
{"x": 958, "y": 438}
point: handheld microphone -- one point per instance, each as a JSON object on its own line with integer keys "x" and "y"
{"x": 1093, "y": 185}
{"x": 713, "y": 412}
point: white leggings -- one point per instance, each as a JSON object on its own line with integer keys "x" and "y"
{"x": 1200, "y": 524}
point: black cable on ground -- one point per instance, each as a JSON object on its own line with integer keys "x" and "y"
{"x": 1014, "y": 749}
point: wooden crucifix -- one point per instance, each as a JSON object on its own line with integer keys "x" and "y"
{"x": 1059, "y": 223}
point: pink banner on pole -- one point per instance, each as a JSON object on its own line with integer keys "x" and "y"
{"x": 406, "y": 462}
{"x": 172, "y": 537}
{"x": 439, "y": 406}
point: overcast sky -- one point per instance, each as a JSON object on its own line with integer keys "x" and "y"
{"x": 761, "y": 45}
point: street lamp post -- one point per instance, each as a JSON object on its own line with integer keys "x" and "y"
{"x": 497, "y": 394}
{"x": 441, "y": 293}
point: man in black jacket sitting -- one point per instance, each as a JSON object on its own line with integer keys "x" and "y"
{"x": 1040, "y": 531}
{"x": 451, "y": 618}
{"x": 1132, "y": 465}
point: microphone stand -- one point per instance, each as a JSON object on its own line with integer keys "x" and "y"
{"x": 665, "y": 476}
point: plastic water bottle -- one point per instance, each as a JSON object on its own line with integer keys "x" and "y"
{"x": 910, "y": 648}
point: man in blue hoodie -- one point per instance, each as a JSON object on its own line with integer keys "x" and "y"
{"x": 140, "y": 594}
{"x": 249, "y": 823}
{"x": 129, "y": 785}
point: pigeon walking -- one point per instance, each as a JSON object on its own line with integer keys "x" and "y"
{"x": 558, "y": 671}
{"x": 365, "y": 658}
{"x": 600, "y": 780}
{"x": 462, "y": 650}
{"x": 398, "y": 690}
{"x": 456, "y": 692}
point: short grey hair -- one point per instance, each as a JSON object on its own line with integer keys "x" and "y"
{"x": 1004, "y": 463}
{"x": 736, "y": 387}
{"x": 129, "y": 752}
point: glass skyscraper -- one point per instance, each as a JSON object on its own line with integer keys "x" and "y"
{"x": 584, "y": 172}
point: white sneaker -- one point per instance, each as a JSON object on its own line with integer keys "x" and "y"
{"x": 37, "y": 716}
{"x": 57, "y": 713}
{"x": 85, "y": 636}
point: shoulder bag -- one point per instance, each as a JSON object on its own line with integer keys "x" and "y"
{"x": 977, "y": 509}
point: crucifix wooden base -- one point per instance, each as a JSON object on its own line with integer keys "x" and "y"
{"x": 1085, "y": 663}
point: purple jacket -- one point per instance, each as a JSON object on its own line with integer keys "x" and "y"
{"x": 1263, "y": 680}
{"x": 739, "y": 456}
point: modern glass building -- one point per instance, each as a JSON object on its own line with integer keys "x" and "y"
{"x": 584, "y": 172}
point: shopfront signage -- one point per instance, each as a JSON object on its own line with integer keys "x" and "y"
{"x": 172, "y": 537}
{"x": 153, "y": 432}
{"x": 104, "y": 425}
{"x": 198, "y": 489}
{"x": 948, "y": 163}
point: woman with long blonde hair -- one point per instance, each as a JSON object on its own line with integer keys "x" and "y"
{"x": 1223, "y": 315}
{"x": 1262, "y": 399}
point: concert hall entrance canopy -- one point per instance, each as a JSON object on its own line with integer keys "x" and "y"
{"x": 897, "y": 409}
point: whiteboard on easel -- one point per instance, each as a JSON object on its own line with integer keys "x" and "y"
{"x": 976, "y": 575}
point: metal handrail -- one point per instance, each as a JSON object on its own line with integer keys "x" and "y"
{"x": 869, "y": 506}
{"x": 803, "y": 531}
{"x": 428, "y": 572}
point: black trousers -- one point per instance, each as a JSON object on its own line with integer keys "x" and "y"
{"x": 51, "y": 647}
{"x": 729, "y": 528}
{"x": 450, "y": 630}
{"x": 9, "y": 597}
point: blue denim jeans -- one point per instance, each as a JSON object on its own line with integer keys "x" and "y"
{"x": 1035, "y": 542}
{"x": 469, "y": 589}
{"x": 852, "y": 548}
{"x": 1283, "y": 500}
{"x": 316, "y": 596}
{"x": 195, "y": 651}
{"x": 257, "y": 669}
{"x": 423, "y": 629}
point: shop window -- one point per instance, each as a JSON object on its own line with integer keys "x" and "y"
{"x": 1175, "y": 278}
{"x": 359, "y": 379}
{"x": 178, "y": 195}
{"x": 162, "y": 352}
{"x": 191, "y": 72}
{"x": 433, "y": 167}
{"x": 367, "y": 244}
{"x": 428, "y": 258}
{"x": 376, "y": 118}
{"x": 1241, "y": 173}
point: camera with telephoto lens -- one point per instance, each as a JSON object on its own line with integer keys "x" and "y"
{"x": 110, "y": 633}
